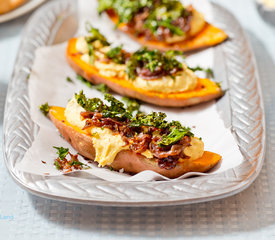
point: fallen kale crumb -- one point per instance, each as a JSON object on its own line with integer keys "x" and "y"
{"x": 67, "y": 163}
{"x": 45, "y": 108}
{"x": 209, "y": 72}
{"x": 69, "y": 80}
{"x": 219, "y": 84}
{"x": 100, "y": 87}
{"x": 83, "y": 80}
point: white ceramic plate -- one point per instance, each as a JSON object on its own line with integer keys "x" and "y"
{"x": 25, "y": 8}
{"x": 242, "y": 107}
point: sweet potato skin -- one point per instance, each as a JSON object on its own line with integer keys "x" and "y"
{"x": 127, "y": 159}
{"x": 126, "y": 88}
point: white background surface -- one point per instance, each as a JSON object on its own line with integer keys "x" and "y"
{"x": 248, "y": 215}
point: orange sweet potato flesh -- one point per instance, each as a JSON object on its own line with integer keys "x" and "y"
{"x": 127, "y": 159}
{"x": 209, "y": 36}
{"x": 206, "y": 89}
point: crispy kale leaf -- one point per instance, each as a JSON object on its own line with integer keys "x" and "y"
{"x": 116, "y": 109}
{"x": 152, "y": 119}
{"x": 174, "y": 136}
{"x": 91, "y": 105}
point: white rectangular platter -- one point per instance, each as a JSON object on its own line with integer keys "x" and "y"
{"x": 241, "y": 108}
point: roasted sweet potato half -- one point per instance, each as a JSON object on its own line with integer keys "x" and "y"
{"x": 130, "y": 161}
{"x": 205, "y": 89}
{"x": 209, "y": 36}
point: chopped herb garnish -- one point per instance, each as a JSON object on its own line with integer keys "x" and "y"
{"x": 209, "y": 72}
{"x": 62, "y": 152}
{"x": 45, "y": 108}
{"x": 111, "y": 169}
